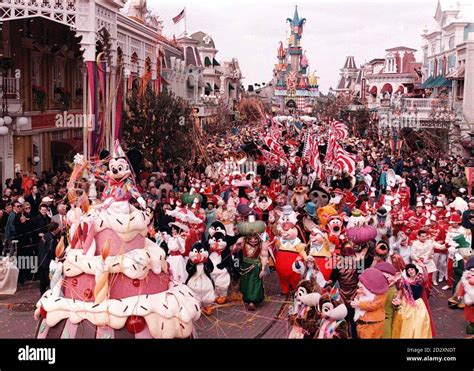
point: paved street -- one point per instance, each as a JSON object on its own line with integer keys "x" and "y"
{"x": 230, "y": 320}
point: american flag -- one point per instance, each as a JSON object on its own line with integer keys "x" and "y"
{"x": 179, "y": 17}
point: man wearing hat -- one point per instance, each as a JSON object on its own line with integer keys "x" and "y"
{"x": 422, "y": 252}
{"x": 369, "y": 304}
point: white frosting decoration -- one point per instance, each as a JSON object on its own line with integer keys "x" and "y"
{"x": 134, "y": 264}
{"x": 169, "y": 314}
{"x": 126, "y": 226}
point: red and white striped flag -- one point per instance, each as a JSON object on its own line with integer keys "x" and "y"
{"x": 311, "y": 153}
{"x": 338, "y": 130}
{"x": 180, "y": 16}
{"x": 345, "y": 161}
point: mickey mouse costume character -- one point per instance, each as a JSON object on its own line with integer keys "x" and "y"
{"x": 120, "y": 186}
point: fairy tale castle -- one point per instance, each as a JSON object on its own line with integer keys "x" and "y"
{"x": 295, "y": 86}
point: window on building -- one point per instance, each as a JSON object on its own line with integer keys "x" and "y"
{"x": 433, "y": 48}
{"x": 451, "y": 42}
{"x": 78, "y": 79}
{"x": 35, "y": 69}
{"x": 58, "y": 76}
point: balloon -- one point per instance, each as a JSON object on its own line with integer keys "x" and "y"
{"x": 8, "y": 120}
{"x": 2, "y": 122}
{"x": 3, "y": 130}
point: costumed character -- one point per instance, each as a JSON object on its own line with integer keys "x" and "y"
{"x": 299, "y": 197}
{"x": 199, "y": 268}
{"x": 263, "y": 207}
{"x": 176, "y": 248}
{"x": 383, "y": 224}
{"x": 303, "y": 314}
{"x": 461, "y": 254}
{"x": 319, "y": 196}
{"x": 335, "y": 231}
{"x": 369, "y": 304}
{"x": 412, "y": 317}
{"x": 183, "y": 214}
{"x": 319, "y": 250}
{"x": 289, "y": 246}
{"x": 465, "y": 291}
{"x": 333, "y": 312}
{"x": 220, "y": 257}
{"x": 390, "y": 274}
{"x": 120, "y": 186}
{"x": 308, "y": 270}
{"x": 254, "y": 256}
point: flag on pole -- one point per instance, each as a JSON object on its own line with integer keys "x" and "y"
{"x": 179, "y": 17}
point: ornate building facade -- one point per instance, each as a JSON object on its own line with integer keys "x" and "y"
{"x": 295, "y": 87}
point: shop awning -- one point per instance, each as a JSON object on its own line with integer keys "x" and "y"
{"x": 400, "y": 89}
{"x": 207, "y": 62}
{"x": 427, "y": 84}
{"x": 216, "y": 87}
{"x": 373, "y": 90}
{"x": 457, "y": 73}
{"x": 231, "y": 87}
{"x": 440, "y": 82}
{"x": 163, "y": 81}
{"x": 208, "y": 88}
{"x": 215, "y": 63}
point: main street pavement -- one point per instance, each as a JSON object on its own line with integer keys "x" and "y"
{"x": 230, "y": 320}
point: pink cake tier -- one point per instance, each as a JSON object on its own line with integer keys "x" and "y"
{"x": 140, "y": 297}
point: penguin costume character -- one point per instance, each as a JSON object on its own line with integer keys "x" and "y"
{"x": 219, "y": 254}
{"x": 217, "y": 227}
{"x": 199, "y": 268}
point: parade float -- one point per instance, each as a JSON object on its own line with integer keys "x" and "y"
{"x": 109, "y": 280}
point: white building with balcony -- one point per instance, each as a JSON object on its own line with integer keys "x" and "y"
{"x": 448, "y": 63}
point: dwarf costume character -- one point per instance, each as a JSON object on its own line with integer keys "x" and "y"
{"x": 333, "y": 312}
{"x": 465, "y": 291}
{"x": 389, "y": 272}
{"x": 254, "y": 256}
{"x": 263, "y": 207}
{"x": 369, "y": 304}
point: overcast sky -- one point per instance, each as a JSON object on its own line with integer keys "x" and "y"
{"x": 251, "y": 30}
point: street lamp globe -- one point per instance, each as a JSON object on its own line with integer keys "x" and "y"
{"x": 8, "y": 120}
{"x": 3, "y": 131}
{"x": 22, "y": 121}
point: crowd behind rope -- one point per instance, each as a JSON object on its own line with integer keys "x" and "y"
{"x": 417, "y": 204}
